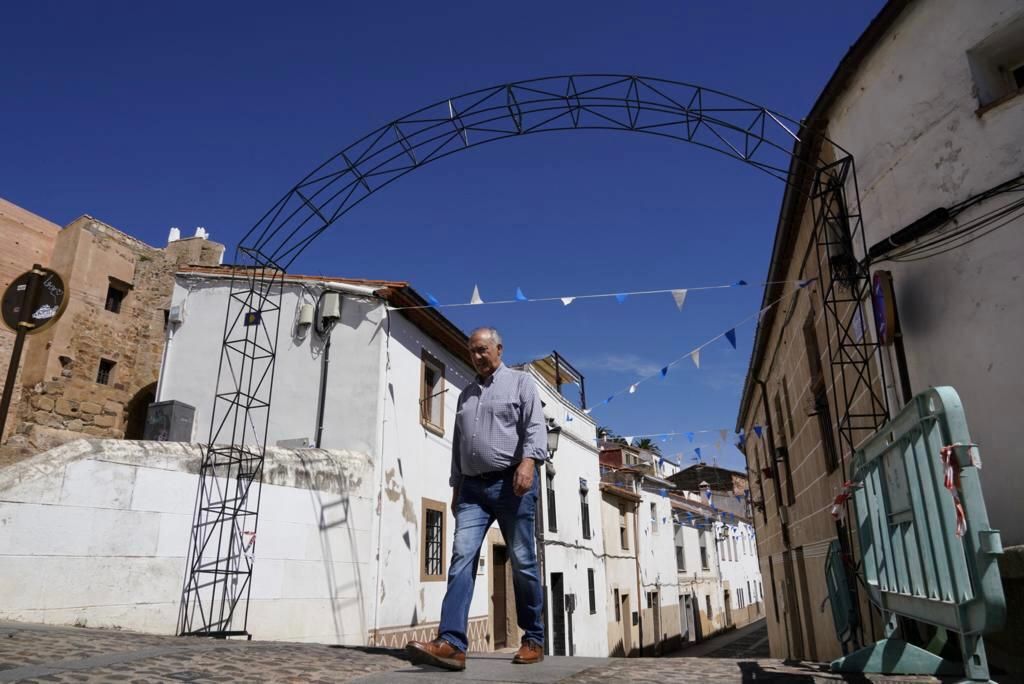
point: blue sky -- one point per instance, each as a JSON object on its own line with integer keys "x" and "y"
{"x": 148, "y": 115}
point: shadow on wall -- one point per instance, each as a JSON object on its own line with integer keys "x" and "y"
{"x": 336, "y": 514}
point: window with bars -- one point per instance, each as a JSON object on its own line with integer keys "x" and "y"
{"x": 618, "y": 606}
{"x": 654, "y": 518}
{"x": 434, "y": 513}
{"x": 585, "y": 513}
{"x": 590, "y": 591}
{"x": 105, "y": 374}
{"x": 552, "y": 508}
{"x": 707, "y": 604}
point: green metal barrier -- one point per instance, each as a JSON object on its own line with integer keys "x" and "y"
{"x": 915, "y": 563}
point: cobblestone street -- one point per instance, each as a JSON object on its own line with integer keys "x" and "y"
{"x": 38, "y": 653}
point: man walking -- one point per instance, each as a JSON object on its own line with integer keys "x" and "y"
{"x": 499, "y": 439}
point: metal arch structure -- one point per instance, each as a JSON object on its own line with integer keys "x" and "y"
{"x": 218, "y": 582}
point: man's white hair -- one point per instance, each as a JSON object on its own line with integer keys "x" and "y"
{"x": 493, "y": 332}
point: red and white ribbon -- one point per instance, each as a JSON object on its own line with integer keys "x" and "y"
{"x": 951, "y": 480}
{"x": 838, "y": 510}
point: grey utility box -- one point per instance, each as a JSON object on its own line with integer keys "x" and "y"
{"x": 169, "y": 421}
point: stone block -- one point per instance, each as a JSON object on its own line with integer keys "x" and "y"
{"x": 94, "y": 431}
{"x": 112, "y": 407}
{"x": 52, "y": 387}
{"x": 66, "y": 408}
{"x": 43, "y": 403}
{"x": 46, "y": 418}
{"x": 90, "y": 407}
{"x": 75, "y": 425}
{"x": 105, "y": 421}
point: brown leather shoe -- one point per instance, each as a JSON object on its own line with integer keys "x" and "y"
{"x": 528, "y": 654}
{"x": 438, "y": 653}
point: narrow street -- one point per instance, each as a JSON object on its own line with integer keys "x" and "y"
{"x": 41, "y": 653}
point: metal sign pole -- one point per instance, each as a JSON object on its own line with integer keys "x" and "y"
{"x": 24, "y": 325}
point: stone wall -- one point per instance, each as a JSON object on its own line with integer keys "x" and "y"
{"x": 62, "y": 398}
{"x": 28, "y": 239}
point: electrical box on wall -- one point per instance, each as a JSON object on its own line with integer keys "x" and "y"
{"x": 169, "y": 421}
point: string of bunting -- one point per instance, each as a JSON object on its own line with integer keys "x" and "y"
{"x": 678, "y": 296}
{"x": 694, "y": 354}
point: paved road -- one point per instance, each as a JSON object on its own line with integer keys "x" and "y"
{"x": 749, "y": 642}
{"x": 38, "y": 653}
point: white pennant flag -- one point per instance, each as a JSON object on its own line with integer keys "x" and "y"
{"x": 632, "y": 389}
{"x": 476, "y": 296}
{"x": 567, "y": 300}
{"x": 679, "y": 296}
{"x": 695, "y": 356}
{"x": 629, "y": 441}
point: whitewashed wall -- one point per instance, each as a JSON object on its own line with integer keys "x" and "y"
{"x": 740, "y": 571}
{"x": 658, "y": 571}
{"x": 620, "y": 572}
{"x": 96, "y": 533}
{"x": 371, "y": 409}
{"x": 910, "y": 118}
{"x": 566, "y": 551}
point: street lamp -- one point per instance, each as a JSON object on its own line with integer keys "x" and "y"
{"x": 554, "y": 433}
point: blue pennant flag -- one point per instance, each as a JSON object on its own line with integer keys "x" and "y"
{"x": 731, "y": 336}
{"x": 805, "y": 283}
{"x": 663, "y": 491}
{"x": 689, "y": 436}
{"x": 758, "y": 430}
{"x": 609, "y": 399}
{"x": 568, "y": 418}
{"x": 698, "y": 452}
{"x": 664, "y": 371}
{"x": 520, "y": 297}
{"x": 739, "y": 283}
{"x": 621, "y": 297}
{"x": 432, "y": 300}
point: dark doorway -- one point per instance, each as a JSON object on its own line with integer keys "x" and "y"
{"x": 135, "y": 421}
{"x": 728, "y": 608}
{"x": 557, "y": 614}
{"x": 698, "y": 630}
{"x": 499, "y": 598}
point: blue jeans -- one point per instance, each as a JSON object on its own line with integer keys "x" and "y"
{"x": 481, "y": 502}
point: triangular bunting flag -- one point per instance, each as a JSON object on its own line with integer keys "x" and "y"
{"x": 629, "y": 440}
{"x": 587, "y": 411}
{"x": 609, "y": 399}
{"x": 621, "y": 297}
{"x": 689, "y": 436}
{"x": 664, "y": 371}
{"x": 679, "y": 296}
{"x": 757, "y": 430}
{"x": 739, "y": 283}
{"x": 731, "y": 336}
{"x": 520, "y": 297}
{"x": 698, "y": 452}
{"x": 475, "y": 299}
{"x": 432, "y": 300}
{"x": 632, "y": 389}
{"x": 566, "y": 301}
{"x": 695, "y": 357}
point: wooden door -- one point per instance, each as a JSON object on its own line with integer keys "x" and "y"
{"x": 499, "y": 599}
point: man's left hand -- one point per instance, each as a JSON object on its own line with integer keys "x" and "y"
{"x": 522, "y": 482}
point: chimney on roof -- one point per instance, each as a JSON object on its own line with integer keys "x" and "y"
{"x": 174, "y": 235}
{"x": 201, "y": 233}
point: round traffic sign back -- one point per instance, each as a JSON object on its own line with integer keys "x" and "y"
{"x": 51, "y": 298}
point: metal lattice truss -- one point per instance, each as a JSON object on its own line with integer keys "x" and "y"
{"x": 669, "y": 109}
{"x": 857, "y": 381}
{"x": 219, "y": 571}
